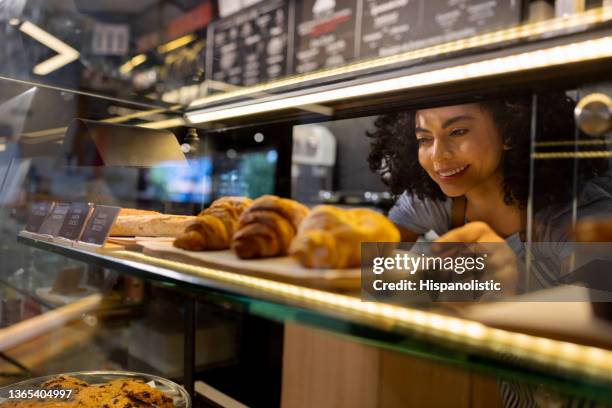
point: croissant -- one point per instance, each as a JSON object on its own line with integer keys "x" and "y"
{"x": 214, "y": 227}
{"x": 331, "y": 237}
{"x": 267, "y": 227}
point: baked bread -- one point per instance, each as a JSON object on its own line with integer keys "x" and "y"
{"x": 267, "y": 227}
{"x": 135, "y": 211}
{"x": 331, "y": 237}
{"x": 214, "y": 227}
{"x": 150, "y": 225}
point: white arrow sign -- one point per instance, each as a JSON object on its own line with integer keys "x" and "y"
{"x": 65, "y": 53}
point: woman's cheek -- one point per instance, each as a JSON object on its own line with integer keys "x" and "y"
{"x": 423, "y": 161}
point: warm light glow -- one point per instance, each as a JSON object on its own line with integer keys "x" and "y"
{"x": 581, "y": 359}
{"x": 575, "y": 21}
{"x": 174, "y": 44}
{"x": 164, "y": 124}
{"x": 556, "y": 56}
{"x": 131, "y": 64}
{"x": 66, "y": 54}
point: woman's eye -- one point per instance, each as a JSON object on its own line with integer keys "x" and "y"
{"x": 459, "y": 132}
{"x": 422, "y": 141}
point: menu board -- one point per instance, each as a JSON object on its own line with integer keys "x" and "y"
{"x": 37, "y": 214}
{"x": 325, "y": 33}
{"x": 251, "y": 46}
{"x": 54, "y": 221}
{"x": 99, "y": 225}
{"x": 75, "y": 219}
{"x": 390, "y": 27}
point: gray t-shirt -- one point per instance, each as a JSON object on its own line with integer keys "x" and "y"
{"x": 551, "y": 225}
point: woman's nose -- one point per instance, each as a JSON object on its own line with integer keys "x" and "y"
{"x": 441, "y": 150}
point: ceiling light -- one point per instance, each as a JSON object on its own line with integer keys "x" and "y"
{"x": 174, "y": 44}
{"x": 66, "y": 54}
{"x": 131, "y": 64}
{"x": 555, "y": 56}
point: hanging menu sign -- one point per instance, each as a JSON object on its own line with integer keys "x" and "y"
{"x": 75, "y": 220}
{"x": 55, "y": 220}
{"x": 462, "y": 18}
{"x": 325, "y": 34}
{"x": 251, "y": 46}
{"x": 37, "y": 214}
{"x": 390, "y": 27}
{"x": 99, "y": 225}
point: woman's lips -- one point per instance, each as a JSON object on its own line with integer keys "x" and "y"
{"x": 452, "y": 174}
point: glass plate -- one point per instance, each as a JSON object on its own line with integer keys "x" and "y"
{"x": 179, "y": 396}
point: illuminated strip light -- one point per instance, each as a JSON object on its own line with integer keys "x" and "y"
{"x": 586, "y": 360}
{"x": 576, "y": 52}
{"x": 572, "y": 155}
{"x": 164, "y": 124}
{"x": 595, "y": 16}
{"x": 131, "y": 64}
{"x": 174, "y": 44}
{"x": 66, "y": 54}
{"x": 573, "y": 143}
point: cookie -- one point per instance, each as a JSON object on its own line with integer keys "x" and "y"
{"x": 122, "y": 401}
{"x": 148, "y": 395}
{"x": 64, "y": 382}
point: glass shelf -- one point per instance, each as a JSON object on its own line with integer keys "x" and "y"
{"x": 567, "y": 367}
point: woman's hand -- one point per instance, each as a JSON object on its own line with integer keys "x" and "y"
{"x": 501, "y": 265}
{"x": 472, "y": 232}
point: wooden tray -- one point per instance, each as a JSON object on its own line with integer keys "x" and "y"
{"x": 283, "y": 269}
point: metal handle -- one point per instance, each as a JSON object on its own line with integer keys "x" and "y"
{"x": 594, "y": 114}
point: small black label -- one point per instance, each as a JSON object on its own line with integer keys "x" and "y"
{"x": 38, "y": 213}
{"x": 54, "y": 221}
{"x": 75, "y": 219}
{"x": 99, "y": 225}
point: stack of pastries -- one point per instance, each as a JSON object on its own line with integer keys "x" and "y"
{"x": 214, "y": 227}
{"x": 326, "y": 237}
{"x": 331, "y": 237}
{"x": 267, "y": 227}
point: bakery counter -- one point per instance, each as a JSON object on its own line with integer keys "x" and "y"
{"x": 435, "y": 335}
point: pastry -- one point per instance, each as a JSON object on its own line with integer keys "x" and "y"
{"x": 65, "y": 382}
{"x": 267, "y": 227}
{"x": 331, "y": 237}
{"x": 134, "y": 211}
{"x": 150, "y": 225}
{"x": 120, "y": 393}
{"x": 214, "y": 227}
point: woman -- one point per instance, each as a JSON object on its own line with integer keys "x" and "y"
{"x": 463, "y": 172}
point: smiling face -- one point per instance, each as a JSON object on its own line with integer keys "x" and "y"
{"x": 460, "y": 148}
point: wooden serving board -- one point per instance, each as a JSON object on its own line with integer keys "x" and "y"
{"x": 283, "y": 269}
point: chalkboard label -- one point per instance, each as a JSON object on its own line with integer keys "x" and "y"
{"x": 55, "y": 220}
{"x": 75, "y": 220}
{"x": 38, "y": 213}
{"x": 99, "y": 225}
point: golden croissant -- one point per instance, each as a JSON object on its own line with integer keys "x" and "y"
{"x": 214, "y": 227}
{"x": 267, "y": 227}
{"x": 331, "y": 237}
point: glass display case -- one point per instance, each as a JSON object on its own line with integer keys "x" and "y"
{"x": 320, "y": 104}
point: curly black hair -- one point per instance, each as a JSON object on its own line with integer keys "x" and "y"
{"x": 394, "y": 151}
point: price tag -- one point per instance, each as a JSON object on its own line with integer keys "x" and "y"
{"x": 38, "y": 213}
{"x": 99, "y": 225}
{"x": 75, "y": 220}
{"x": 55, "y": 220}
